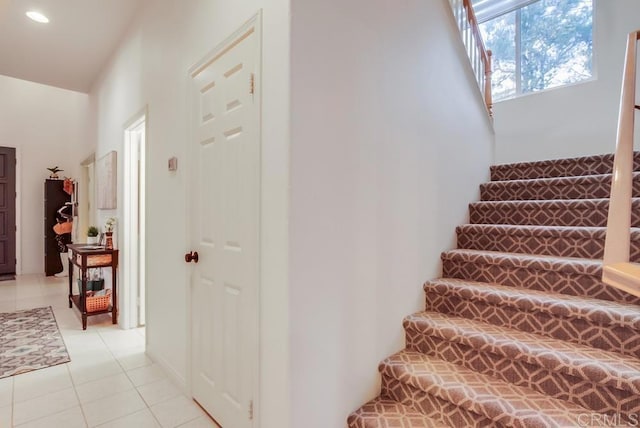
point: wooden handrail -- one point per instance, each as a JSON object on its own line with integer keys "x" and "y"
{"x": 484, "y": 53}
{"x": 482, "y": 70}
{"x": 618, "y": 242}
{"x": 473, "y": 24}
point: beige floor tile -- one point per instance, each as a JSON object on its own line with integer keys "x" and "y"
{"x": 5, "y": 416}
{"x": 83, "y": 343}
{"x": 72, "y": 418}
{"x": 110, "y": 408}
{"x": 98, "y": 386}
{"x": 7, "y": 306}
{"x": 121, "y": 339}
{"x": 141, "y": 419}
{"x": 176, "y": 411}
{"x": 6, "y": 391}
{"x": 203, "y": 422}
{"x": 105, "y": 387}
{"x": 41, "y": 382}
{"x": 132, "y": 358}
{"x": 44, "y": 405}
{"x": 147, "y": 374}
{"x": 159, "y": 391}
{"x": 87, "y": 372}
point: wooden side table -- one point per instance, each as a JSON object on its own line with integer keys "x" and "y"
{"x": 86, "y": 257}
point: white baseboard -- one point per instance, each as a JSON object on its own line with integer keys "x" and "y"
{"x": 172, "y": 373}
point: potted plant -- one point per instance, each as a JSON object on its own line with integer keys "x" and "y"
{"x": 92, "y": 235}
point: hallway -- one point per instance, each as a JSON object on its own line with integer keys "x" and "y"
{"x": 108, "y": 383}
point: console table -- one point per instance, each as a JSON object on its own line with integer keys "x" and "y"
{"x": 86, "y": 257}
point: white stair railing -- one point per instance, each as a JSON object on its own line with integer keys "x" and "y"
{"x": 478, "y": 54}
{"x": 617, "y": 270}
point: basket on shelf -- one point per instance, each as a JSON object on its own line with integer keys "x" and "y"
{"x": 98, "y": 303}
{"x": 97, "y": 260}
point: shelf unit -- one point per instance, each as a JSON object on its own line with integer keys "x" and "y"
{"x": 85, "y": 257}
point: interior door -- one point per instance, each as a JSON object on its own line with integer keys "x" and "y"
{"x": 7, "y": 210}
{"x": 224, "y": 215}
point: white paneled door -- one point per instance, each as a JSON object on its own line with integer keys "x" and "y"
{"x": 224, "y": 217}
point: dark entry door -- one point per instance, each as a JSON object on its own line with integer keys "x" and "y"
{"x": 7, "y": 210}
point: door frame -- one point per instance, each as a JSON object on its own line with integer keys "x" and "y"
{"x": 86, "y": 207}
{"x": 130, "y": 314}
{"x": 227, "y": 44}
{"x": 18, "y": 208}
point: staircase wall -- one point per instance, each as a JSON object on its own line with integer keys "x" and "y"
{"x": 575, "y": 120}
{"x": 390, "y": 140}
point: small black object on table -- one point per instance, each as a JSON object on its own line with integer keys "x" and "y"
{"x": 85, "y": 257}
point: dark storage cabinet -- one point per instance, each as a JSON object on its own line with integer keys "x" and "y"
{"x": 54, "y": 199}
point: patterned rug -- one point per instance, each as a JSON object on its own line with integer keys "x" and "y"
{"x": 30, "y": 340}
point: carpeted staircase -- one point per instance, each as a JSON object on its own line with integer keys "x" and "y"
{"x": 520, "y": 331}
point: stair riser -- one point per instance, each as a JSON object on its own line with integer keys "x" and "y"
{"x": 544, "y": 280}
{"x": 559, "y": 246}
{"x": 354, "y": 422}
{"x": 587, "y": 394}
{"x": 578, "y": 167}
{"x": 381, "y": 413}
{"x": 506, "y": 191}
{"x": 619, "y": 339}
{"x": 564, "y": 214}
{"x": 432, "y": 406}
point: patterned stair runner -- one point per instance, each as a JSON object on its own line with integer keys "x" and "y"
{"x": 520, "y": 331}
{"x": 585, "y": 187}
{"x": 397, "y": 416}
{"x": 561, "y": 241}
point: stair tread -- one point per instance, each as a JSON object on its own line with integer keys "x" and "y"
{"x": 556, "y": 212}
{"x": 500, "y": 401}
{"x": 550, "y": 181}
{"x": 566, "y": 167}
{"x": 576, "y": 265}
{"x": 549, "y": 203}
{"x": 385, "y": 413}
{"x": 537, "y": 230}
{"x": 551, "y": 161}
{"x": 584, "y": 362}
{"x": 555, "y": 188}
{"x": 602, "y": 312}
{"x": 585, "y": 232}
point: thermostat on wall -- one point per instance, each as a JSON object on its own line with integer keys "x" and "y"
{"x": 173, "y": 164}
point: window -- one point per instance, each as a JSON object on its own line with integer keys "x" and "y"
{"x": 545, "y": 44}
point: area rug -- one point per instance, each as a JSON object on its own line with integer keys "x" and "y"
{"x": 30, "y": 340}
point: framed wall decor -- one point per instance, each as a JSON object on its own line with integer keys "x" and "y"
{"x": 107, "y": 173}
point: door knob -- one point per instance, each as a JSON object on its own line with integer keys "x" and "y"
{"x": 191, "y": 257}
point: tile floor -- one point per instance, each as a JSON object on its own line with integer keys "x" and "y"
{"x": 110, "y": 382}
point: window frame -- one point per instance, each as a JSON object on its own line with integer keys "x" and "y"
{"x": 518, "y": 58}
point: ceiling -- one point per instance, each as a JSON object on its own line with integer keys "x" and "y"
{"x": 70, "y": 51}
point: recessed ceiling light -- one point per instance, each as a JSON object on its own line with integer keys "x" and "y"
{"x": 37, "y": 16}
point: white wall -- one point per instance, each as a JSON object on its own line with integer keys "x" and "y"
{"x": 576, "y": 120}
{"x": 150, "y": 69}
{"x": 48, "y": 126}
{"x": 389, "y": 142}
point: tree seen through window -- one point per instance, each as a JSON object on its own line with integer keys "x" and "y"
{"x": 543, "y": 45}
